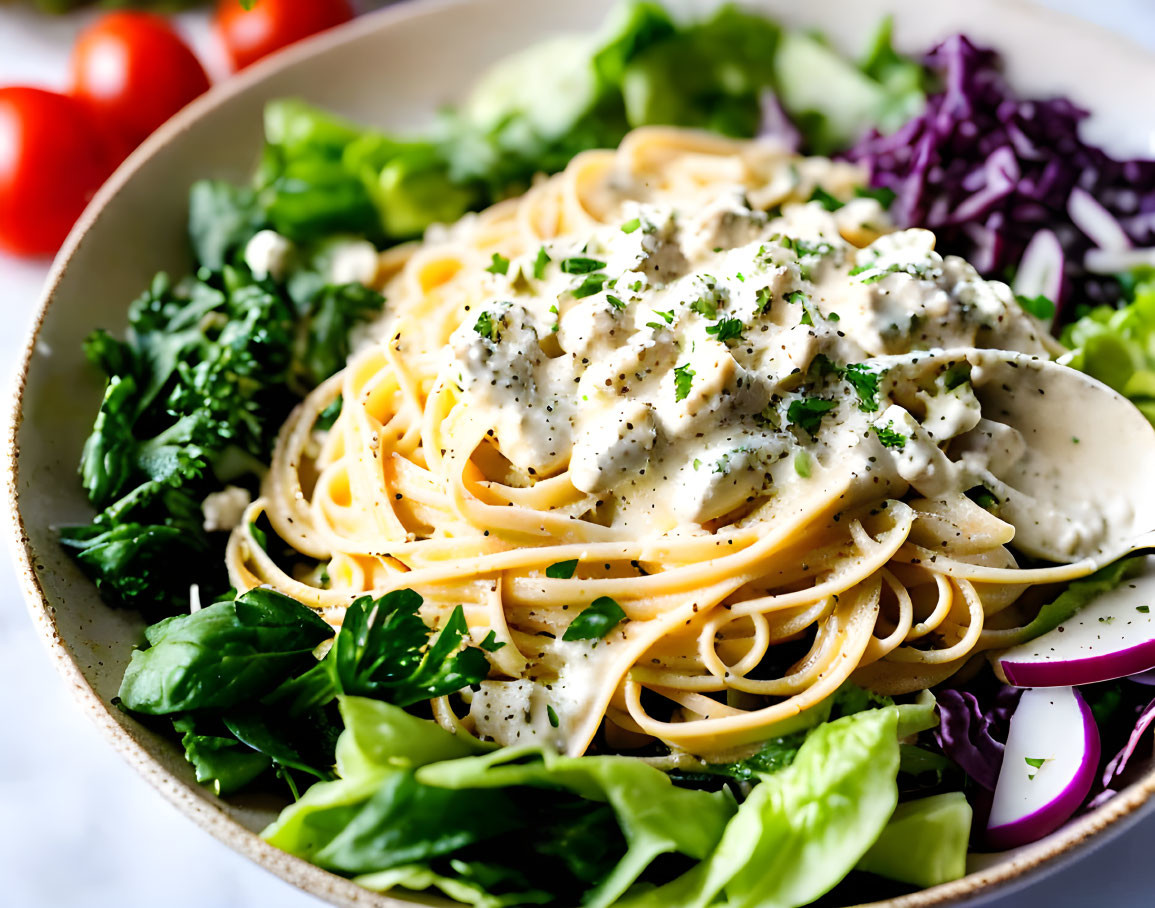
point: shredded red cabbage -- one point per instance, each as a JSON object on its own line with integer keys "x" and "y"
{"x": 974, "y": 734}
{"x": 986, "y": 170}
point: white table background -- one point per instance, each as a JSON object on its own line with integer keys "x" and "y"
{"x": 79, "y": 828}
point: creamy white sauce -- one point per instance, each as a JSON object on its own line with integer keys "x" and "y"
{"x": 686, "y": 359}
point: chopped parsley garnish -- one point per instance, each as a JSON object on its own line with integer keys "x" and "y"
{"x": 540, "y": 262}
{"x": 1143, "y": 609}
{"x": 821, "y": 366}
{"x": 557, "y": 318}
{"x": 499, "y": 265}
{"x": 667, "y": 317}
{"x": 858, "y": 269}
{"x": 983, "y": 497}
{"x": 885, "y": 197}
{"x": 1036, "y": 764}
{"x": 697, "y": 464}
{"x": 829, "y": 202}
{"x": 563, "y": 570}
{"x": 865, "y": 384}
{"x": 890, "y": 437}
{"x": 807, "y": 413}
{"x": 551, "y": 715}
{"x": 958, "y": 374}
{"x": 580, "y": 265}
{"x": 1038, "y": 306}
{"x": 491, "y": 644}
{"x": 592, "y": 284}
{"x": 807, "y": 318}
{"x": 486, "y": 326}
{"x": 805, "y": 248}
{"x": 833, "y": 317}
{"x": 631, "y": 225}
{"x": 706, "y": 306}
{"x": 683, "y": 378}
{"x": 796, "y": 296}
{"x": 802, "y": 464}
{"x": 614, "y": 301}
{"x": 765, "y": 299}
{"x": 727, "y": 329}
{"x": 595, "y": 621}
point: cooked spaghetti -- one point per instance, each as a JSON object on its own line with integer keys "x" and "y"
{"x": 656, "y": 425}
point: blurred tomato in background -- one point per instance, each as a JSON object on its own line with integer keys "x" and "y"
{"x": 129, "y": 72}
{"x": 247, "y": 35}
{"x": 53, "y": 157}
{"x": 134, "y": 70}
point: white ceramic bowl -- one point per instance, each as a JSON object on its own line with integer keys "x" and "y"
{"x": 393, "y": 69}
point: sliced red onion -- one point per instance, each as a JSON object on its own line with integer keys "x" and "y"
{"x": 1096, "y": 221}
{"x": 1041, "y": 269}
{"x": 1116, "y": 261}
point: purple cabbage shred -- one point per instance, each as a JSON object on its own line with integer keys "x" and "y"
{"x": 973, "y": 733}
{"x": 986, "y": 170}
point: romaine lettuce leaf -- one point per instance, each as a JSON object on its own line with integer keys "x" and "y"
{"x": 804, "y": 828}
{"x": 1117, "y": 346}
{"x": 656, "y": 817}
{"x": 409, "y": 802}
{"x": 925, "y": 842}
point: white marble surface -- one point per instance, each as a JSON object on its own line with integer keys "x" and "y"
{"x": 79, "y": 829}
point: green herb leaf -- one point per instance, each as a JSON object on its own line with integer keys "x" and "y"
{"x": 487, "y": 326}
{"x": 615, "y": 301}
{"x": 540, "y": 262}
{"x": 885, "y": 197}
{"x": 705, "y": 305}
{"x": 829, "y": 202}
{"x": 807, "y": 413}
{"x": 563, "y": 570}
{"x": 683, "y": 378}
{"x": 890, "y": 437}
{"x": 551, "y": 714}
{"x": 581, "y": 265}
{"x": 596, "y": 620}
{"x": 727, "y": 329}
{"x": 1038, "y": 306}
{"x": 802, "y": 464}
{"x": 865, "y": 381}
{"x": 499, "y": 264}
{"x": 631, "y": 225}
{"x": 592, "y": 284}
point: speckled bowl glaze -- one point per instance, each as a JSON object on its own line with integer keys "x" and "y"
{"x": 394, "y": 69}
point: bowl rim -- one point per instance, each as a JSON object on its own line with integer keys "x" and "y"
{"x": 1027, "y": 865}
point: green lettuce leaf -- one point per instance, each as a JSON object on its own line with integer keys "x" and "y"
{"x": 1117, "y": 346}
{"x": 804, "y": 828}
{"x": 656, "y": 817}
{"x": 925, "y": 842}
{"x": 1077, "y": 594}
{"x": 412, "y": 805}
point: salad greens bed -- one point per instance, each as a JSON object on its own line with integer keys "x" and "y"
{"x": 264, "y": 694}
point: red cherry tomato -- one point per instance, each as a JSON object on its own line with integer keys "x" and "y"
{"x": 53, "y": 157}
{"x": 249, "y": 34}
{"x": 135, "y": 72}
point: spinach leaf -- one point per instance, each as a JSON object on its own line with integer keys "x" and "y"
{"x": 223, "y": 764}
{"x": 384, "y": 651}
{"x": 322, "y": 345}
{"x": 225, "y": 655}
{"x": 222, "y": 218}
